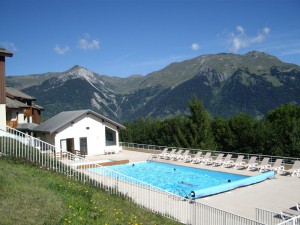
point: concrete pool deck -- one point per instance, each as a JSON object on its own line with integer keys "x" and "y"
{"x": 276, "y": 194}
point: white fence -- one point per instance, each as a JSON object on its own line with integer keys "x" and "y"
{"x": 16, "y": 144}
{"x": 270, "y": 217}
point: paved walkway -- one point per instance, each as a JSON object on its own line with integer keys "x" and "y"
{"x": 273, "y": 194}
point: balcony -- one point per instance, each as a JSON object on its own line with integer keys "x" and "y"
{"x": 12, "y": 124}
{"x": 28, "y": 112}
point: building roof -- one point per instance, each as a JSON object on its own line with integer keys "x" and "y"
{"x": 15, "y": 104}
{"x": 56, "y": 122}
{"x": 14, "y": 93}
{"x": 6, "y": 53}
{"x": 26, "y": 126}
{"x": 35, "y": 106}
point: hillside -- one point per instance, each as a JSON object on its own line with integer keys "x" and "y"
{"x": 226, "y": 83}
{"x": 34, "y": 196}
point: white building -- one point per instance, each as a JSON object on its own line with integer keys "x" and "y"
{"x": 83, "y": 130}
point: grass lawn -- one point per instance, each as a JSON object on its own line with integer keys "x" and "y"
{"x": 31, "y": 195}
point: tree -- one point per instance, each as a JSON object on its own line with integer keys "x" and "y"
{"x": 222, "y": 135}
{"x": 244, "y": 134}
{"x": 199, "y": 133}
{"x": 285, "y": 126}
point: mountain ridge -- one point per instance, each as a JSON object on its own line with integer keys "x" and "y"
{"x": 253, "y": 77}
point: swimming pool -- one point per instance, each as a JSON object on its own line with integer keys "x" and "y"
{"x": 176, "y": 179}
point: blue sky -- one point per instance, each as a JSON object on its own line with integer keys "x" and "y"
{"x": 126, "y": 37}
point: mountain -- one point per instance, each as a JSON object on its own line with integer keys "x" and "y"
{"x": 226, "y": 83}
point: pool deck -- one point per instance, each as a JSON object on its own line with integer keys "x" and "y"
{"x": 276, "y": 194}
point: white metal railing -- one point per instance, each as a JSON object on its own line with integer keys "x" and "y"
{"x": 268, "y": 217}
{"x": 16, "y": 144}
{"x": 286, "y": 160}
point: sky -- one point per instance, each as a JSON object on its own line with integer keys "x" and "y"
{"x": 128, "y": 37}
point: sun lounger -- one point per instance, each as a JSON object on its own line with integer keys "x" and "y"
{"x": 201, "y": 159}
{"x": 277, "y": 166}
{"x": 171, "y": 154}
{"x": 288, "y": 213}
{"x": 168, "y": 154}
{"x": 294, "y": 170}
{"x": 190, "y": 159}
{"x": 261, "y": 166}
{"x": 244, "y": 165}
{"x": 221, "y": 162}
{"x": 176, "y": 155}
{"x": 236, "y": 163}
{"x": 161, "y": 154}
{"x": 209, "y": 161}
{"x": 184, "y": 155}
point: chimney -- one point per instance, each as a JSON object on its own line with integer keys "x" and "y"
{"x": 3, "y": 53}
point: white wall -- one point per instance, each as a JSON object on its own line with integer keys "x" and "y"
{"x": 93, "y": 129}
{"x": 2, "y": 117}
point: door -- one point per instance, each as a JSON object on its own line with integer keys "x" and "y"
{"x": 83, "y": 145}
{"x": 70, "y": 145}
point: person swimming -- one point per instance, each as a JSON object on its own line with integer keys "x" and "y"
{"x": 188, "y": 184}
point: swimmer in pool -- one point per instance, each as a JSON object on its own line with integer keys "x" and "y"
{"x": 182, "y": 182}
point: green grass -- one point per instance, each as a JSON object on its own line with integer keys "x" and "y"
{"x": 33, "y": 195}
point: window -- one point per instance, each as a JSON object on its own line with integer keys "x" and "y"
{"x": 63, "y": 144}
{"x": 83, "y": 144}
{"x": 110, "y": 136}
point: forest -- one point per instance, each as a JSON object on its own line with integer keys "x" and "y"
{"x": 278, "y": 133}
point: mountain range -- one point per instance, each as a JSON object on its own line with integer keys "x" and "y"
{"x": 228, "y": 84}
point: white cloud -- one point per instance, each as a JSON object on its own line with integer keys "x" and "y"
{"x": 240, "y": 29}
{"x": 195, "y": 46}
{"x": 86, "y": 43}
{"x": 261, "y": 36}
{"x": 8, "y": 46}
{"x": 61, "y": 50}
{"x": 240, "y": 39}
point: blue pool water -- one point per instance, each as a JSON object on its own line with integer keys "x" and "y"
{"x": 172, "y": 178}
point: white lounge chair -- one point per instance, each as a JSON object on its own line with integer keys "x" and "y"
{"x": 201, "y": 159}
{"x": 209, "y": 161}
{"x": 171, "y": 154}
{"x": 244, "y": 165}
{"x": 264, "y": 163}
{"x": 167, "y": 154}
{"x": 163, "y": 152}
{"x": 288, "y": 213}
{"x": 225, "y": 160}
{"x": 277, "y": 166}
{"x": 236, "y": 163}
{"x": 190, "y": 159}
{"x": 177, "y": 155}
{"x": 294, "y": 170}
{"x": 184, "y": 155}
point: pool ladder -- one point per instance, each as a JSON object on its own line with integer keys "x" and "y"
{"x": 182, "y": 193}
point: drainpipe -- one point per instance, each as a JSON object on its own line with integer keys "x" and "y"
{"x": 3, "y": 53}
